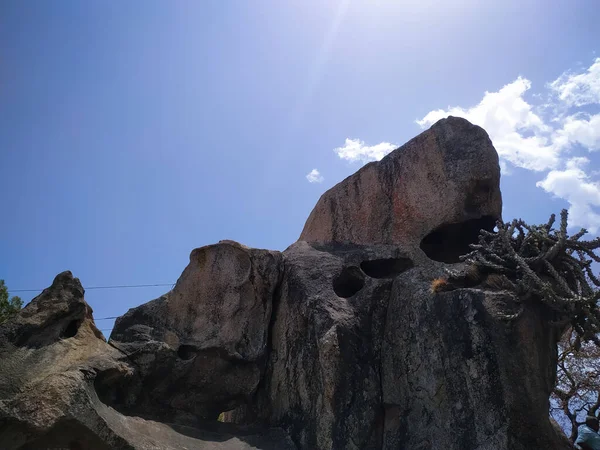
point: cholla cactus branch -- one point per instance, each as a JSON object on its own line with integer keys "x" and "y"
{"x": 546, "y": 265}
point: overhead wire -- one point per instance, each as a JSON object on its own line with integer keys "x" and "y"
{"x": 122, "y": 286}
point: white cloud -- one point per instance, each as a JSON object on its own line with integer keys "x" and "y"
{"x": 356, "y": 150}
{"x": 314, "y": 176}
{"x": 575, "y": 186}
{"x": 506, "y": 116}
{"x": 579, "y": 89}
{"x": 505, "y": 169}
{"x": 579, "y": 130}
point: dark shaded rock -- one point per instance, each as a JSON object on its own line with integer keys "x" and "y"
{"x": 394, "y": 366}
{"x": 386, "y": 267}
{"x": 448, "y": 174}
{"x": 468, "y": 377}
{"x": 200, "y": 349}
{"x": 323, "y": 381}
{"x": 449, "y": 241}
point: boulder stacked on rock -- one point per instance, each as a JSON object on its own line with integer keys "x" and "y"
{"x": 201, "y": 349}
{"x": 335, "y": 343}
{"x": 446, "y": 180}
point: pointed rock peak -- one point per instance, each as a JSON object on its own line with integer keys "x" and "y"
{"x": 66, "y": 281}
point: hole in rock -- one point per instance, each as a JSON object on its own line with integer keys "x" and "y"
{"x": 386, "y": 268}
{"x": 111, "y": 388}
{"x": 349, "y": 282}
{"x": 448, "y": 242}
{"x": 186, "y": 352}
{"x": 70, "y": 330}
{"x": 40, "y": 335}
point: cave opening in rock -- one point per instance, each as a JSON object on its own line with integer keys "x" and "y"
{"x": 449, "y": 242}
{"x": 111, "y": 388}
{"x": 186, "y": 352}
{"x": 70, "y": 330}
{"x": 349, "y": 282}
{"x": 386, "y": 268}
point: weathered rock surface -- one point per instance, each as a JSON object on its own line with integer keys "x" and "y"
{"x": 447, "y": 175}
{"x": 335, "y": 343}
{"x": 323, "y": 382}
{"x": 200, "y": 349}
{"x": 56, "y": 368}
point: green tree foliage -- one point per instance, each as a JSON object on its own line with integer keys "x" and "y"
{"x": 8, "y": 306}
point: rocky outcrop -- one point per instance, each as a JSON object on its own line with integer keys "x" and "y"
{"x": 58, "y": 376}
{"x": 336, "y": 343}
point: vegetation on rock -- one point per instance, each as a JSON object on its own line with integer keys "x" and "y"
{"x": 542, "y": 263}
{"x": 8, "y": 306}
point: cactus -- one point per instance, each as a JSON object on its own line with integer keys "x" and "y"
{"x": 547, "y": 265}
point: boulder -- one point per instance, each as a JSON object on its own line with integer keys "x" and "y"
{"x": 435, "y": 192}
{"x": 201, "y": 348}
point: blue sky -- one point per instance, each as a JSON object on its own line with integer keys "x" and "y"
{"x": 133, "y": 132}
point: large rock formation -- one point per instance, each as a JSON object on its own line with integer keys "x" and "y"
{"x": 336, "y": 343}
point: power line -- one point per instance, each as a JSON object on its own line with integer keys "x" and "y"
{"x": 123, "y": 286}
{"x": 105, "y": 287}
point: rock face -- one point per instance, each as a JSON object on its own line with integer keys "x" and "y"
{"x": 335, "y": 343}
{"x": 323, "y": 382}
{"x": 390, "y": 365}
{"x": 469, "y": 378}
